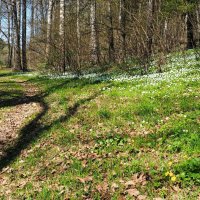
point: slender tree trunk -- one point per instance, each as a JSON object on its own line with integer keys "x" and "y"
{"x": 49, "y": 21}
{"x": 78, "y": 31}
{"x": 9, "y": 59}
{"x": 32, "y": 18}
{"x": 41, "y": 10}
{"x": 198, "y": 23}
{"x": 36, "y": 18}
{"x": 149, "y": 28}
{"x": 111, "y": 33}
{"x": 13, "y": 52}
{"x": 24, "y": 59}
{"x": 95, "y": 57}
{"x": 122, "y": 20}
{"x": 62, "y": 33}
{"x": 165, "y": 34}
{"x": 62, "y": 17}
{"x": 19, "y": 17}
{"x": 17, "y": 36}
{"x": 190, "y": 32}
{"x": 0, "y": 13}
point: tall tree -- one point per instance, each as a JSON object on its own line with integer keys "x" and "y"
{"x": 32, "y": 18}
{"x": 78, "y": 32}
{"x": 150, "y": 11}
{"x": 190, "y": 31}
{"x": 191, "y": 43}
{"x": 62, "y": 33}
{"x": 24, "y": 59}
{"x": 111, "y": 45}
{"x": 0, "y": 13}
{"x": 16, "y": 17}
{"x": 9, "y": 59}
{"x": 49, "y": 25}
{"x": 198, "y": 23}
{"x": 94, "y": 43}
{"x": 122, "y": 21}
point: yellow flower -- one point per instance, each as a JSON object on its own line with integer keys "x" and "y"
{"x": 167, "y": 173}
{"x": 173, "y": 178}
{"x": 171, "y": 174}
{"x": 170, "y": 164}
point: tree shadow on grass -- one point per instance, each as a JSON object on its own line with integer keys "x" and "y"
{"x": 32, "y": 131}
{"x": 6, "y": 95}
{"x": 6, "y": 74}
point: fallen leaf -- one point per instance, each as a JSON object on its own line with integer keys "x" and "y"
{"x": 114, "y": 186}
{"x": 133, "y": 192}
{"x": 130, "y": 183}
{"x": 86, "y": 179}
{"x": 142, "y": 197}
{"x": 102, "y": 188}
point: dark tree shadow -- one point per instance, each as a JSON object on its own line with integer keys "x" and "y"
{"x": 6, "y": 74}
{"x": 32, "y": 131}
{"x": 5, "y": 95}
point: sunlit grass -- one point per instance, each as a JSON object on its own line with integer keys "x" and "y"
{"x": 110, "y": 130}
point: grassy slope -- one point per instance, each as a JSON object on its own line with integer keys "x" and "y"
{"x": 97, "y": 135}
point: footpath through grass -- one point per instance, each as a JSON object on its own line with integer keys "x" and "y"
{"x": 124, "y": 137}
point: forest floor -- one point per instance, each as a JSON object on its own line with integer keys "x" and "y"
{"x": 101, "y": 137}
{"x": 12, "y": 118}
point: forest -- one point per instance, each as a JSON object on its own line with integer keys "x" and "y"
{"x": 99, "y": 99}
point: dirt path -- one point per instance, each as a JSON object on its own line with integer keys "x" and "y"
{"x": 12, "y": 119}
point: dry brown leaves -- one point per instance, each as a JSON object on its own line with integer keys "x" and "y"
{"x": 86, "y": 179}
{"x": 137, "y": 179}
{"x": 131, "y": 186}
{"x": 12, "y": 120}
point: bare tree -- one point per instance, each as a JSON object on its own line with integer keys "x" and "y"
{"x": 94, "y": 43}
{"x": 32, "y": 18}
{"x": 122, "y": 21}
{"x": 9, "y": 60}
{"x": 78, "y": 32}
{"x": 24, "y": 59}
{"x": 62, "y": 33}
{"x": 49, "y": 21}
{"x": 111, "y": 45}
{"x": 0, "y": 13}
{"x": 16, "y": 15}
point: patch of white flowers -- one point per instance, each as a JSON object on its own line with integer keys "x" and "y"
{"x": 181, "y": 69}
{"x": 28, "y": 74}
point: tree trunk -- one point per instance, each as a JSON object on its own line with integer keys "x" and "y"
{"x": 165, "y": 34}
{"x": 19, "y": 15}
{"x": 49, "y": 20}
{"x": 32, "y": 18}
{"x": 62, "y": 34}
{"x": 0, "y": 13}
{"x": 94, "y": 37}
{"x": 198, "y": 23}
{"x": 24, "y": 59}
{"x": 111, "y": 44}
{"x": 78, "y": 32}
{"x": 190, "y": 32}
{"x": 9, "y": 59}
{"x": 122, "y": 20}
{"x": 62, "y": 17}
{"x": 149, "y": 28}
{"x": 17, "y": 36}
{"x": 36, "y": 18}
{"x": 13, "y": 52}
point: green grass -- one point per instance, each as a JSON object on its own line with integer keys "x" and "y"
{"x": 109, "y": 131}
